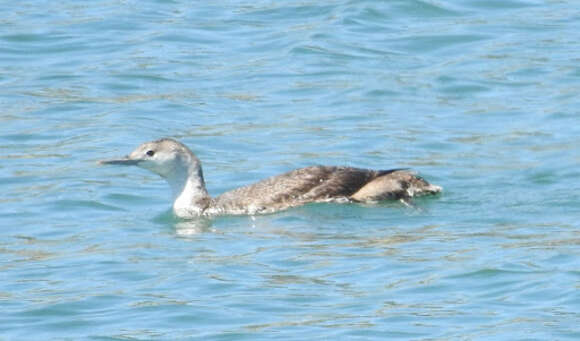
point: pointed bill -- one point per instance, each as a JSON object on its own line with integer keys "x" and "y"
{"x": 123, "y": 162}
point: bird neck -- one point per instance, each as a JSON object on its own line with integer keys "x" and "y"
{"x": 190, "y": 197}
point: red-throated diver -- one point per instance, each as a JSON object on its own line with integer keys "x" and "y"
{"x": 182, "y": 169}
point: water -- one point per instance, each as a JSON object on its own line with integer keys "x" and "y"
{"x": 481, "y": 97}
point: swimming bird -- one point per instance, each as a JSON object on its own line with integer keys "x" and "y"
{"x": 177, "y": 164}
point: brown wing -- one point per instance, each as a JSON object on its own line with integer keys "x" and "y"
{"x": 300, "y": 186}
{"x": 397, "y": 184}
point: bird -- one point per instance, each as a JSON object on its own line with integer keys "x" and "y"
{"x": 181, "y": 168}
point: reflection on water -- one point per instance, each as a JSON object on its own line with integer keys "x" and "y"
{"x": 192, "y": 227}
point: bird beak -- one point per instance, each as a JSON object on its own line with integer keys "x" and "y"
{"x": 123, "y": 162}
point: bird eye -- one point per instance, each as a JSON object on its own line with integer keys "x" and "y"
{"x": 150, "y": 153}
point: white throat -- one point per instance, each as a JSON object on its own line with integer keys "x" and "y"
{"x": 190, "y": 198}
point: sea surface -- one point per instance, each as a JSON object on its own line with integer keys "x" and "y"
{"x": 481, "y": 97}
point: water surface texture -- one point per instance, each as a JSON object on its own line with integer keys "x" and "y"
{"x": 480, "y": 97}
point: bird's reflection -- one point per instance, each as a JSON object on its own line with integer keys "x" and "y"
{"x": 191, "y": 227}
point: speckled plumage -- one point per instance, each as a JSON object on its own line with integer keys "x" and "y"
{"x": 180, "y": 167}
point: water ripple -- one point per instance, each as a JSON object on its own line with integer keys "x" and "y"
{"x": 478, "y": 96}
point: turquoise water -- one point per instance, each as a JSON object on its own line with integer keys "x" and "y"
{"x": 480, "y": 97}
